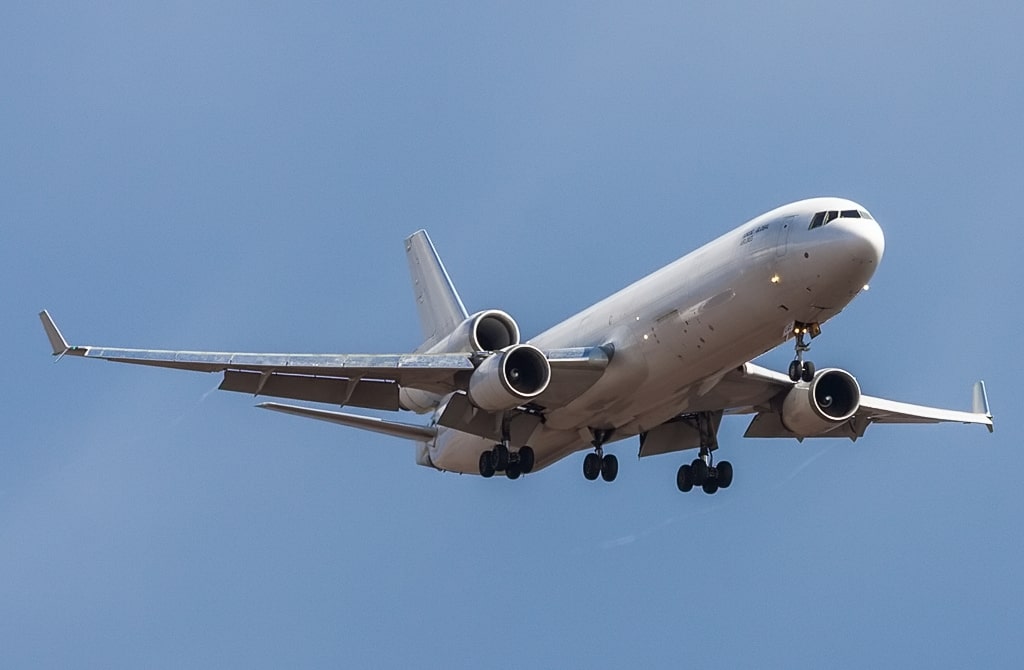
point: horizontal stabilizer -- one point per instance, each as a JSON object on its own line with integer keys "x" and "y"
{"x": 404, "y": 430}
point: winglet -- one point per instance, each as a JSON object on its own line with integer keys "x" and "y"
{"x": 57, "y": 342}
{"x": 980, "y": 402}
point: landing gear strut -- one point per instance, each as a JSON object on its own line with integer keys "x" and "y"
{"x": 800, "y": 369}
{"x": 703, "y": 472}
{"x": 599, "y": 463}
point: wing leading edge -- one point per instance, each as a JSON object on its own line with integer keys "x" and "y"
{"x": 766, "y": 385}
{"x": 360, "y": 380}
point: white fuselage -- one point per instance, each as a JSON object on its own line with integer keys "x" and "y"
{"x": 676, "y": 331}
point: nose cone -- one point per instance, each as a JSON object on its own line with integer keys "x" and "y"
{"x": 860, "y": 241}
{"x": 872, "y": 241}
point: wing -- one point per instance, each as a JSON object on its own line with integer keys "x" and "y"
{"x": 360, "y": 380}
{"x": 761, "y": 391}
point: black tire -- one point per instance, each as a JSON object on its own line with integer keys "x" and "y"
{"x": 724, "y": 474}
{"x": 486, "y": 465}
{"x": 591, "y": 466}
{"x": 526, "y": 460}
{"x": 807, "y": 371}
{"x": 684, "y": 478}
{"x": 512, "y": 471}
{"x": 500, "y": 457}
{"x": 795, "y": 371}
{"x": 609, "y": 468}
{"x": 699, "y": 472}
{"x": 710, "y": 485}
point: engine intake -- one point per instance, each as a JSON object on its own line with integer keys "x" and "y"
{"x": 815, "y": 408}
{"x": 490, "y": 330}
{"x": 508, "y": 379}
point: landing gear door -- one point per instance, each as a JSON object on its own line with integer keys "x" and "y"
{"x": 782, "y": 241}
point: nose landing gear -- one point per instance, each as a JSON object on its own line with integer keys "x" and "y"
{"x": 800, "y": 369}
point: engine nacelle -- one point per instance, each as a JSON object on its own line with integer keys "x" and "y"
{"x": 490, "y": 330}
{"x": 815, "y": 408}
{"x": 509, "y": 378}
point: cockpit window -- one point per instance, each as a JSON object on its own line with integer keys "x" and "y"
{"x": 823, "y": 218}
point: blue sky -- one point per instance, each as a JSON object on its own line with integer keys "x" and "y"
{"x": 240, "y": 177}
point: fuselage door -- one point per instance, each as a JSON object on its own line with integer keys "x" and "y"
{"x": 782, "y": 241}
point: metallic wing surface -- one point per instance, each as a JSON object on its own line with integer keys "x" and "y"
{"x": 359, "y": 380}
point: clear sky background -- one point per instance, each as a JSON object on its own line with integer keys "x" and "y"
{"x": 240, "y": 176}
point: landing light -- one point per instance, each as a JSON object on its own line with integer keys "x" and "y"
{"x": 866, "y": 288}
{"x": 776, "y": 279}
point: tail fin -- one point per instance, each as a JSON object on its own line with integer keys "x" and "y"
{"x": 440, "y": 308}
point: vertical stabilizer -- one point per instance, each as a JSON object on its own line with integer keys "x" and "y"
{"x": 437, "y": 301}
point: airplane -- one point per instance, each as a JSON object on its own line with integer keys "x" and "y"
{"x": 664, "y": 359}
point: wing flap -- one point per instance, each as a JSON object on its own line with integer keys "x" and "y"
{"x": 329, "y": 390}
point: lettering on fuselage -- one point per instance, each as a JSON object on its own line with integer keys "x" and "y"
{"x": 749, "y": 235}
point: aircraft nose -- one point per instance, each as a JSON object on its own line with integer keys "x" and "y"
{"x": 861, "y": 240}
{"x": 871, "y": 243}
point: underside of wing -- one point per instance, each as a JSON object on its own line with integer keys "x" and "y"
{"x": 358, "y": 380}
{"x": 801, "y": 409}
{"x": 830, "y": 405}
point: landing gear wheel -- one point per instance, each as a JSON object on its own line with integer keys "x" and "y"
{"x": 512, "y": 471}
{"x": 684, "y": 478}
{"x": 795, "y": 371}
{"x": 710, "y": 485}
{"x": 609, "y": 468}
{"x": 699, "y": 472}
{"x": 526, "y": 458}
{"x": 724, "y": 476}
{"x": 807, "y": 371}
{"x": 486, "y": 465}
{"x": 499, "y": 455}
{"x": 591, "y": 466}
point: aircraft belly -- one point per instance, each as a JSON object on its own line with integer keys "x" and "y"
{"x": 455, "y": 451}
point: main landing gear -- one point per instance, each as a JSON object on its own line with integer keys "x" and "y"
{"x": 597, "y": 463}
{"x": 501, "y": 459}
{"x": 703, "y": 472}
{"x": 800, "y": 369}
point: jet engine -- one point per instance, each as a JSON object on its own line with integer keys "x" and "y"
{"x": 509, "y": 378}
{"x": 815, "y": 408}
{"x": 490, "y": 330}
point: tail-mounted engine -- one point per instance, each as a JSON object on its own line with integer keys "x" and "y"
{"x": 490, "y": 330}
{"x": 509, "y": 378}
{"x": 816, "y": 407}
